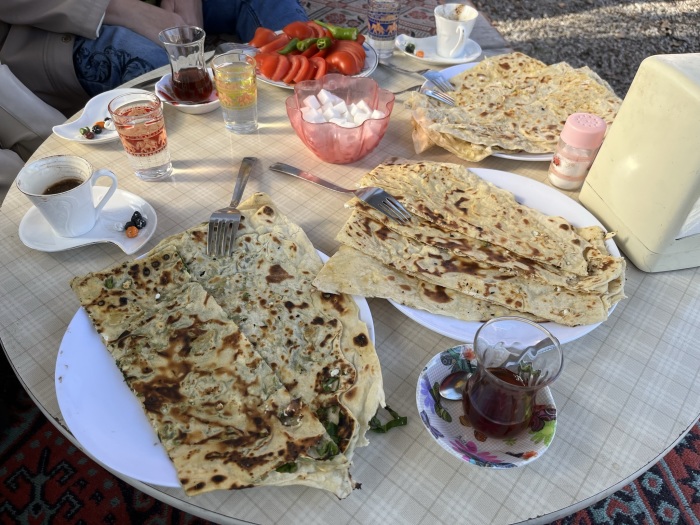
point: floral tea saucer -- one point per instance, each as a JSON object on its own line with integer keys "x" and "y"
{"x": 451, "y": 429}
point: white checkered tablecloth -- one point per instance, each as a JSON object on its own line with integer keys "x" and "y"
{"x": 628, "y": 393}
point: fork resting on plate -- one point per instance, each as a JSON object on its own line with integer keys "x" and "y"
{"x": 223, "y": 223}
{"x": 378, "y": 198}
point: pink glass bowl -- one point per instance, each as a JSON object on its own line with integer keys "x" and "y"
{"x": 329, "y": 141}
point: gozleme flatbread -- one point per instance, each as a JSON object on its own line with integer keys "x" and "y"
{"x": 314, "y": 341}
{"x": 370, "y": 278}
{"x": 455, "y": 198}
{"x": 221, "y": 413}
{"x": 311, "y": 346}
{"x": 510, "y": 103}
{"x": 471, "y": 238}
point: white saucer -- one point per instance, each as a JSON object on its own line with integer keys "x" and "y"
{"x": 164, "y": 92}
{"x": 95, "y": 111}
{"x": 35, "y": 232}
{"x": 429, "y": 47}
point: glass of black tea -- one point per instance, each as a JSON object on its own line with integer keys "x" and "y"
{"x": 516, "y": 358}
{"x": 190, "y": 80}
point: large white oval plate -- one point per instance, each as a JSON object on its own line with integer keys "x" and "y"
{"x": 530, "y": 157}
{"x": 540, "y": 197}
{"x": 105, "y": 416}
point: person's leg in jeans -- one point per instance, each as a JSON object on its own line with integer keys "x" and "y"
{"x": 244, "y": 16}
{"x": 117, "y": 56}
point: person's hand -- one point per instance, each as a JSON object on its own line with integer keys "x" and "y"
{"x": 143, "y": 18}
{"x": 189, "y": 10}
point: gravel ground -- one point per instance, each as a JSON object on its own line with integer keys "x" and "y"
{"x": 611, "y": 37}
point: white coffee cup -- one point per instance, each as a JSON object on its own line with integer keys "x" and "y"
{"x": 68, "y": 207}
{"x": 453, "y": 25}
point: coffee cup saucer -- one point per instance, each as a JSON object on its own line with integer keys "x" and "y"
{"x": 35, "y": 232}
{"x": 446, "y": 423}
{"x": 165, "y": 93}
{"x": 428, "y": 46}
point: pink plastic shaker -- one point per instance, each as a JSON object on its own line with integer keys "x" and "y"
{"x": 579, "y": 143}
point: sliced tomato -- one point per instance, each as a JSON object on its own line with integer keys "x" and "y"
{"x": 350, "y": 46}
{"x": 343, "y": 62}
{"x": 317, "y": 29}
{"x": 320, "y": 65}
{"x": 267, "y": 63}
{"x": 283, "y": 65}
{"x": 278, "y": 43}
{"x": 262, "y": 36}
{"x": 295, "y": 61}
{"x": 313, "y": 49}
{"x": 321, "y": 53}
{"x": 306, "y": 70}
{"x": 298, "y": 29}
{"x": 360, "y": 39}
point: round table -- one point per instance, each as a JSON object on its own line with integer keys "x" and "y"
{"x": 628, "y": 393}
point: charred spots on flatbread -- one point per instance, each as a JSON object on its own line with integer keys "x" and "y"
{"x": 437, "y": 294}
{"x": 291, "y": 306}
{"x": 361, "y": 340}
{"x": 277, "y": 274}
{"x": 158, "y": 393}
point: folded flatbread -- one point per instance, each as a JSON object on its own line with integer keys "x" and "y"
{"x": 311, "y": 345}
{"x": 468, "y": 237}
{"x": 510, "y": 103}
{"x": 221, "y": 413}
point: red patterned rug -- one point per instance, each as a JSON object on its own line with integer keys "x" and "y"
{"x": 44, "y": 480}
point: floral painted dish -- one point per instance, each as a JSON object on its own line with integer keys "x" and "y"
{"x": 451, "y": 429}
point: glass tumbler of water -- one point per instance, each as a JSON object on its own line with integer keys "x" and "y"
{"x": 236, "y": 87}
{"x": 138, "y": 118}
{"x": 383, "y": 25}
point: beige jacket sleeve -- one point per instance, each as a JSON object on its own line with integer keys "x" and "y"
{"x": 36, "y": 43}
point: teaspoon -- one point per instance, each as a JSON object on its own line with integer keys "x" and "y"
{"x": 452, "y": 386}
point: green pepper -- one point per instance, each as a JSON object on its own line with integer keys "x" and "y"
{"x": 291, "y": 46}
{"x": 340, "y": 33}
{"x": 324, "y": 42}
{"x": 303, "y": 45}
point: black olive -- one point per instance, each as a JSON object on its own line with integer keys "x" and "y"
{"x": 138, "y": 220}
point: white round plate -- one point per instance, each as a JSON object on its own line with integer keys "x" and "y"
{"x": 448, "y": 426}
{"x": 429, "y": 47}
{"x": 540, "y": 197}
{"x": 531, "y": 157}
{"x": 371, "y": 62}
{"x": 165, "y": 94}
{"x": 95, "y": 111}
{"x": 105, "y": 416}
{"x": 35, "y": 232}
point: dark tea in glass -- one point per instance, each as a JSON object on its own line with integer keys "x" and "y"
{"x": 498, "y": 403}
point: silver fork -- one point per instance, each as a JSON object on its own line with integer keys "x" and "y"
{"x": 440, "y": 96}
{"x": 375, "y": 197}
{"x": 223, "y": 223}
{"x": 438, "y": 80}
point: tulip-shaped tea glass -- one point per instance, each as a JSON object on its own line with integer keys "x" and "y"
{"x": 185, "y": 46}
{"x": 515, "y": 359}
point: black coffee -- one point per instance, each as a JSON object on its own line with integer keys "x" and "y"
{"x": 62, "y": 186}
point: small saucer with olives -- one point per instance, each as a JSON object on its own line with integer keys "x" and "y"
{"x": 93, "y": 125}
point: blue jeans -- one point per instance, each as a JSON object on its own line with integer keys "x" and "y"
{"x": 119, "y": 54}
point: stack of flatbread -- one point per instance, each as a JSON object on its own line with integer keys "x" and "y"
{"x": 248, "y": 373}
{"x": 472, "y": 252}
{"x": 510, "y": 103}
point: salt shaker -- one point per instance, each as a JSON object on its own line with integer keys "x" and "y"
{"x": 579, "y": 143}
